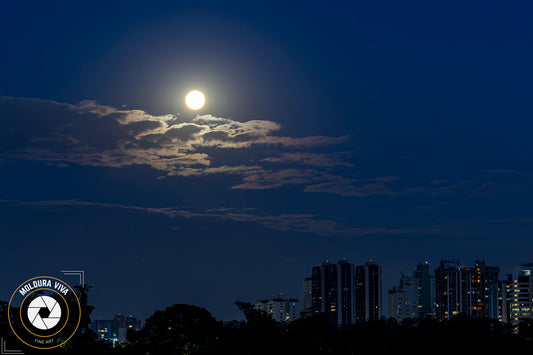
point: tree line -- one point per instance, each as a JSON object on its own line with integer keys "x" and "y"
{"x": 188, "y": 329}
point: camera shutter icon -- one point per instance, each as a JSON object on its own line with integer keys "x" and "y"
{"x": 44, "y": 312}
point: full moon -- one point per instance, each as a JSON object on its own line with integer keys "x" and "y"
{"x": 195, "y": 100}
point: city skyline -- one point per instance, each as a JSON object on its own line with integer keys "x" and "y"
{"x": 393, "y": 132}
{"x": 385, "y": 309}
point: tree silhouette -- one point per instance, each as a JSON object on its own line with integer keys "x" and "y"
{"x": 315, "y": 335}
{"x": 186, "y": 329}
{"x": 179, "y": 329}
{"x": 259, "y": 333}
{"x": 84, "y": 340}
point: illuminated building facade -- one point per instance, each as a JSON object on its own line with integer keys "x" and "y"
{"x": 332, "y": 292}
{"x": 425, "y": 284}
{"x": 114, "y": 330}
{"x": 368, "y": 291}
{"x": 105, "y": 329}
{"x": 281, "y": 309}
{"x": 521, "y": 303}
{"x": 505, "y": 299}
{"x": 403, "y": 299}
{"x": 413, "y": 297}
{"x": 471, "y": 290}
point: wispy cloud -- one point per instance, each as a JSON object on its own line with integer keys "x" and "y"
{"x": 306, "y": 223}
{"x": 468, "y": 188}
{"x": 266, "y": 179}
{"x": 310, "y": 159}
{"x": 346, "y": 187}
{"x": 91, "y": 134}
{"x": 519, "y": 227}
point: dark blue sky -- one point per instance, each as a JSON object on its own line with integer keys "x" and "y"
{"x": 385, "y": 130}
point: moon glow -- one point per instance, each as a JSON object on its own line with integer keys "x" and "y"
{"x": 195, "y": 100}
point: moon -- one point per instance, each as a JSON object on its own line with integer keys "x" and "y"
{"x": 195, "y": 100}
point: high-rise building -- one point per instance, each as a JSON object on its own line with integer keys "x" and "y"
{"x": 413, "y": 297}
{"x": 281, "y": 309}
{"x": 308, "y": 295}
{"x": 332, "y": 291}
{"x": 114, "y": 330}
{"x": 425, "y": 289}
{"x": 346, "y": 305}
{"x": 403, "y": 299}
{"x": 470, "y": 290}
{"x": 316, "y": 290}
{"x": 521, "y": 304}
{"x": 505, "y": 299}
{"x": 368, "y": 292}
{"x": 325, "y": 290}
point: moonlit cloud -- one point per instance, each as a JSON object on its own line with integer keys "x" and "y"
{"x": 91, "y": 134}
{"x": 266, "y": 179}
{"x": 311, "y": 159}
{"x": 97, "y": 135}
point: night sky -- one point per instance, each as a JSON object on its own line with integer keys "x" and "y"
{"x": 397, "y": 131}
